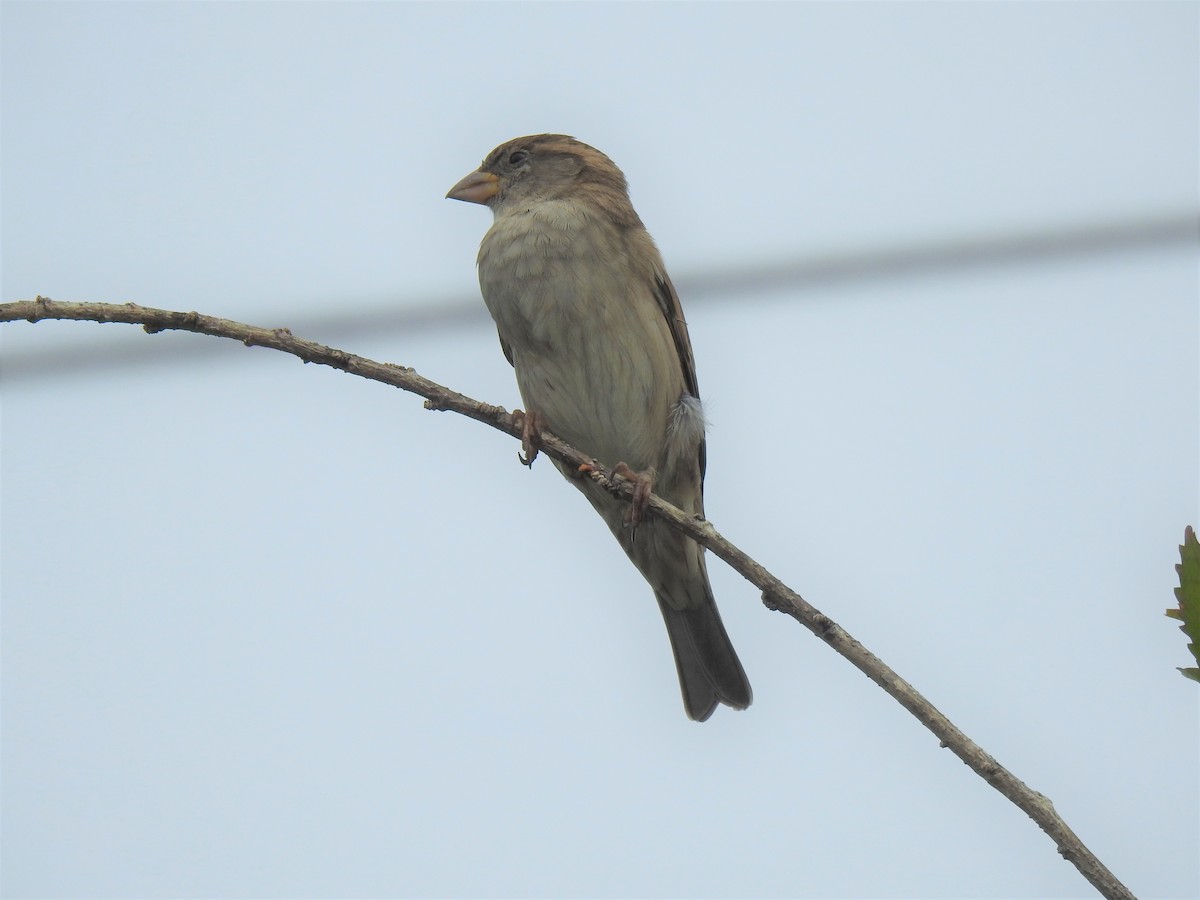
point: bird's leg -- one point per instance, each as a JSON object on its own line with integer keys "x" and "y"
{"x": 531, "y": 428}
{"x": 643, "y": 483}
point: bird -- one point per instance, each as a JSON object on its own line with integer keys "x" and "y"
{"x": 594, "y": 330}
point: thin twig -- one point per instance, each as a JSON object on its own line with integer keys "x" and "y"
{"x": 775, "y": 594}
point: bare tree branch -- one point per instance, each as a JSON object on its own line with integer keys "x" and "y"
{"x": 775, "y": 594}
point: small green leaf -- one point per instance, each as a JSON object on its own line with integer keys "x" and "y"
{"x": 1188, "y": 595}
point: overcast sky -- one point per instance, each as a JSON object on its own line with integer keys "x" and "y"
{"x": 270, "y": 630}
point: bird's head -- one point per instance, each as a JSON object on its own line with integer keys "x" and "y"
{"x": 541, "y": 167}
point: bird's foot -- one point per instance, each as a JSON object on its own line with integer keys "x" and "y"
{"x": 643, "y": 483}
{"x": 531, "y": 427}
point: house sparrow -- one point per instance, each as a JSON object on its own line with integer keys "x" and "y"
{"x": 592, "y": 325}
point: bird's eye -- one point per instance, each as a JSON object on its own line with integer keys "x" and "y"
{"x": 517, "y": 157}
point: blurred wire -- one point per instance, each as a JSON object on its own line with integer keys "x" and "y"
{"x": 797, "y": 273}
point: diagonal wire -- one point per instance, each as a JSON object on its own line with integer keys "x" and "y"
{"x": 794, "y": 272}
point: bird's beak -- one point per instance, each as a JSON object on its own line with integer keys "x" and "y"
{"x": 478, "y": 187}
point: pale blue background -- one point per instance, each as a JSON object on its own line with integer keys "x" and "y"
{"x": 274, "y": 631}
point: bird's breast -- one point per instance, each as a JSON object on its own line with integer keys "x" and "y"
{"x": 547, "y": 271}
{"x": 592, "y": 349}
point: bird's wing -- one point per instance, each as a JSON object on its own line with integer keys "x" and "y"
{"x": 668, "y": 302}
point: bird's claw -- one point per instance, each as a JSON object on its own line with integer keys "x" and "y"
{"x": 531, "y": 427}
{"x": 643, "y": 484}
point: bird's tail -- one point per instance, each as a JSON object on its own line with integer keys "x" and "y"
{"x": 709, "y": 669}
